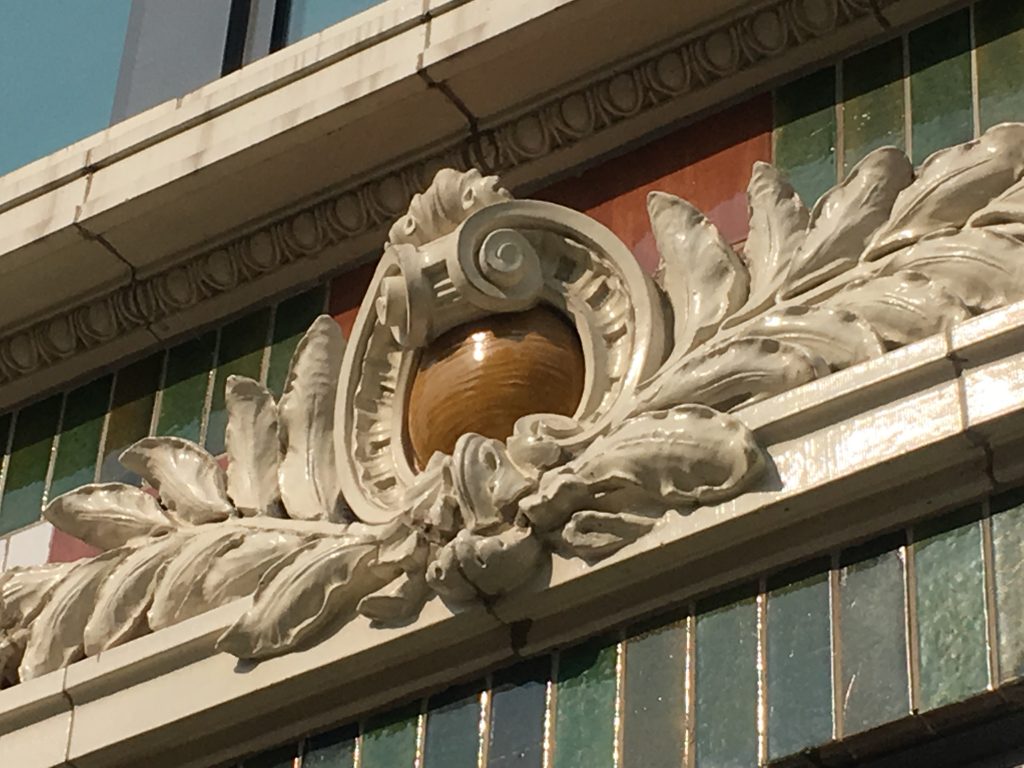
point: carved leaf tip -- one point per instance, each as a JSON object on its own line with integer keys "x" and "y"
{"x": 308, "y": 475}
{"x": 951, "y": 185}
{"x": 706, "y": 282}
{"x": 191, "y": 484}
{"x": 108, "y": 515}
{"x": 253, "y": 444}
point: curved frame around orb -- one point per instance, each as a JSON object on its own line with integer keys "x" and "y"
{"x": 420, "y": 291}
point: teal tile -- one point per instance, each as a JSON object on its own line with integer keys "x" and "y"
{"x": 873, "y": 107}
{"x": 799, "y": 660}
{"x": 334, "y": 749}
{"x": 280, "y": 757}
{"x": 873, "y": 635}
{"x": 518, "y": 703}
{"x": 130, "y": 415}
{"x": 585, "y": 712}
{"x": 241, "y": 353}
{"x": 453, "y": 728}
{"x": 941, "y": 103}
{"x": 950, "y": 597}
{"x": 805, "y": 133}
{"x": 389, "y": 741}
{"x": 81, "y": 430}
{"x": 654, "y": 700}
{"x": 1008, "y": 562}
{"x": 726, "y": 686}
{"x": 291, "y": 320}
{"x": 186, "y": 379}
{"x": 34, "y": 430}
{"x": 999, "y": 37}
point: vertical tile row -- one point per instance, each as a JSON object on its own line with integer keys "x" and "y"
{"x": 872, "y": 102}
{"x": 1008, "y": 565}
{"x": 585, "y": 702}
{"x": 805, "y": 133}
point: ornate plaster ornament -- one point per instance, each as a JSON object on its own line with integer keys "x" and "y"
{"x": 323, "y": 513}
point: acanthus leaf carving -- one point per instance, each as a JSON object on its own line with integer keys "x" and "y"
{"x": 885, "y": 259}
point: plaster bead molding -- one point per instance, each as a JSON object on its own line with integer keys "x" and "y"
{"x": 321, "y": 515}
{"x": 351, "y": 212}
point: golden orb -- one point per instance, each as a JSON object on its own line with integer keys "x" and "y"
{"x": 483, "y": 376}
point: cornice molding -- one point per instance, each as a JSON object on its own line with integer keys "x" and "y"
{"x": 357, "y": 212}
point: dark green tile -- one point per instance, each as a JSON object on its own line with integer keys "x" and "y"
{"x": 999, "y": 37}
{"x": 240, "y": 353}
{"x": 186, "y": 380}
{"x": 389, "y": 741}
{"x": 291, "y": 320}
{"x": 34, "y": 429}
{"x": 873, "y": 636}
{"x": 726, "y": 683}
{"x": 280, "y": 757}
{"x": 130, "y": 415}
{"x": 873, "y": 113}
{"x": 585, "y": 712}
{"x": 334, "y": 749}
{"x": 518, "y": 699}
{"x": 81, "y": 430}
{"x": 805, "y": 133}
{"x": 1008, "y": 560}
{"x": 453, "y": 729}
{"x": 950, "y": 596}
{"x": 799, "y": 663}
{"x": 654, "y": 701}
{"x": 941, "y": 104}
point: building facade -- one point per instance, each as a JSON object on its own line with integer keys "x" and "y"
{"x": 781, "y": 521}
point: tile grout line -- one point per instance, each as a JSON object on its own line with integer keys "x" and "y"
{"x": 268, "y": 343}
{"x": 54, "y": 448}
{"x": 550, "y": 708}
{"x": 211, "y": 382}
{"x": 991, "y": 617}
{"x": 835, "y": 648}
{"x": 761, "y": 606}
{"x": 910, "y": 617}
{"x": 158, "y": 395}
{"x": 908, "y": 115}
{"x": 690, "y": 684}
{"x": 618, "y": 719}
{"x": 5, "y": 464}
{"x": 421, "y": 734}
{"x": 102, "y": 443}
{"x": 840, "y": 121}
{"x": 484, "y": 727}
{"x": 975, "y": 91}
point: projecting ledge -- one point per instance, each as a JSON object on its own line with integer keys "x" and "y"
{"x": 852, "y": 455}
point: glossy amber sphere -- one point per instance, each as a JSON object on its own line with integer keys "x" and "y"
{"x": 483, "y": 376}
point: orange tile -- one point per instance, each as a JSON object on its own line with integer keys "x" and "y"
{"x": 347, "y": 293}
{"x": 707, "y": 163}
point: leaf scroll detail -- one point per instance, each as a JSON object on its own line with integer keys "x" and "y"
{"x": 253, "y": 446}
{"x": 309, "y": 480}
{"x": 108, "y": 515}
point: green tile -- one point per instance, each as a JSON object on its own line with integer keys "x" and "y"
{"x": 389, "y": 741}
{"x": 873, "y": 635}
{"x": 585, "y": 712}
{"x": 241, "y": 353}
{"x": 81, "y": 430}
{"x": 518, "y": 700}
{"x": 280, "y": 757}
{"x": 334, "y": 749}
{"x": 1008, "y": 560}
{"x": 291, "y": 320}
{"x": 654, "y": 701}
{"x": 873, "y": 114}
{"x": 950, "y": 597}
{"x": 130, "y": 415}
{"x": 799, "y": 661}
{"x": 453, "y": 728}
{"x": 34, "y": 428}
{"x": 999, "y": 37}
{"x": 805, "y": 133}
{"x": 184, "y": 389}
{"x": 726, "y": 682}
{"x": 941, "y": 104}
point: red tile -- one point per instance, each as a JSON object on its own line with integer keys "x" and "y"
{"x": 707, "y": 163}
{"x": 347, "y": 293}
{"x": 65, "y": 548}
